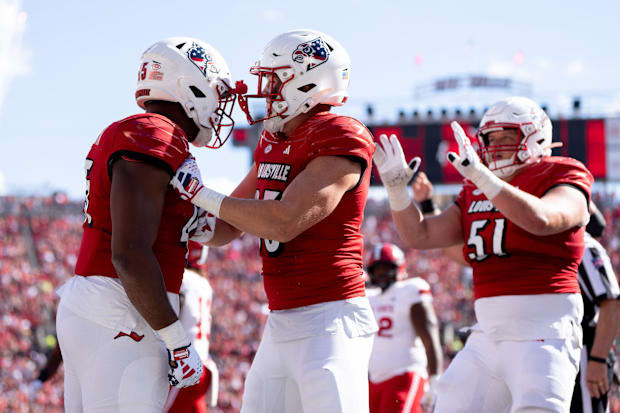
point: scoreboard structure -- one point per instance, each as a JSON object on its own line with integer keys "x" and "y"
{"x": 594, "y": 142}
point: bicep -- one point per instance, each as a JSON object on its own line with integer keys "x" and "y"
{"x": 317, "y": 190}
{"x": 445, "y": 229}
{"x": 136, "y": 203}
{"x": 569, "y": 204}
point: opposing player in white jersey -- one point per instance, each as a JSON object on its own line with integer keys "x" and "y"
{"x": 195, "y": 315}
{"x": 406, "y": 348}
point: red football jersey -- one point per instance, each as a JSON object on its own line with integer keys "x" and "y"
{"x": 324, "y": 263}
{"x": 151, "y": 138}
{"x": 506, "y": 259}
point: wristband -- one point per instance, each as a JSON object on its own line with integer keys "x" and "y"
{"x": 174, "y": 335}
{"x": 597, "y": 359}
{"x": 209, "y": 200}
{"x": 489, "y": 184}
{"x": 399, "y": 197}
{"x": 427, "y": 206}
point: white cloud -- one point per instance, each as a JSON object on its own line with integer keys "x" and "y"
{"x": 15, "y": 59}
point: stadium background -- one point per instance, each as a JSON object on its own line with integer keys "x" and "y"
{"x": 65, "y": 73}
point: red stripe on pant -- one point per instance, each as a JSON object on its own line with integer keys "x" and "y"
{"x": 399, "y": 394}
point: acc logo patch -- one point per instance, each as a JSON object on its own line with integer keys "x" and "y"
{"x": 312, "y": 53}
{"x": 198, "y": 56}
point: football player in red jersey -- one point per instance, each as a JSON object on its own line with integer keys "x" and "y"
{"x": 304, "y": 196}
{"x": 123, "y": 302}
{"x": 521, "y": 216}
{"x": 406, "y": 350}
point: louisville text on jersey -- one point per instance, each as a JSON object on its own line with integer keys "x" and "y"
{"x": 483, "y": 205}
{"x": 274, "y": 171}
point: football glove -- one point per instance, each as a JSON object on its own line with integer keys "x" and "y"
{"x": 187, "y": 183}
{"x": 183, "y": 360}
{"x": 185, "y": 366}
{"x": 469, "y": 165}
{"x": 394, "y": 171}
{"x": 205, "y": 227}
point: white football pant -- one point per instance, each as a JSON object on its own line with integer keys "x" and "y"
{"x": 108, "y": 375}
{"x": 313, "y": 359}
{"x": 510, "y": 376}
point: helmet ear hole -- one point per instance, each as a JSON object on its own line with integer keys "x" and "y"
{"x": 197, "y": 92}
{"x": 306, "y": 88}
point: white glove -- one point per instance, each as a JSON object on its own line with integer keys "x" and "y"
{"x": 187, "y": 183}
{"x": 394, "y": 171}
{"x": 183, "y": 360}
{"x": 205, "y": 227}
{"x": 430, "y": 397}
{"x": 469, "y": 166}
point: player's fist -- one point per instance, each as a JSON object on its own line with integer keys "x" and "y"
{"x": 204, "y": 227}
{"x": 422, "y": 187}
{"x": 185, "y": 366}
{"x": 187, "y": 181}
{"x": 391, "y": 164}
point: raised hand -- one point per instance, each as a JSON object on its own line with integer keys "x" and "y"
{"x": 469, "y": 166}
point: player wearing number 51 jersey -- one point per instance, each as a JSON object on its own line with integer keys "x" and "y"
{"x": 304, "y": 197}
{"x": 521, "y": 215}
{"x": 117, "y": 323}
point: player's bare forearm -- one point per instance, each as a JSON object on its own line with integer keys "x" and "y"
{"x": 426, "y": 232}
{"x": 606, "y": 328}
{"x": 424, "y": 321}
{"x": 223, "y": 234}
{"x": 560, "y": 209}
{"x": 136, "y": 204}
{"x": 143, "y": 282}
{"x": 310, "y": 197}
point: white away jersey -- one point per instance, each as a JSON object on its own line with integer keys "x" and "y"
{"x": 397, "y": 348}
{"x": 196, "y": 311}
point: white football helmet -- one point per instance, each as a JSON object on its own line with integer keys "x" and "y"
{"x": 311, "y": 67}
{"x": 192, "y": 73}
{"x": 534, "y": 129}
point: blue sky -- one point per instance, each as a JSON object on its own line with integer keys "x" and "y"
{"x": 68, "y": 68}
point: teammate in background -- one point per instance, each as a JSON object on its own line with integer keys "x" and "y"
{"x": 601, "y": 300}
{"x": 304, "y": 196}
{"x": 407, "y": 343}
{"x": 524, "y": 247}
{"x": 123, "y": 302}
{"x": 195, "y": 315}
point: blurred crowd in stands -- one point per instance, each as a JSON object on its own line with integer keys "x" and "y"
{"x": 39, "y": 240}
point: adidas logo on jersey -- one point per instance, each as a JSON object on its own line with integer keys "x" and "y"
{"x": 273, "y": 171}
{"x": 287, "y": 150}
{"x": 481, "y": 206}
